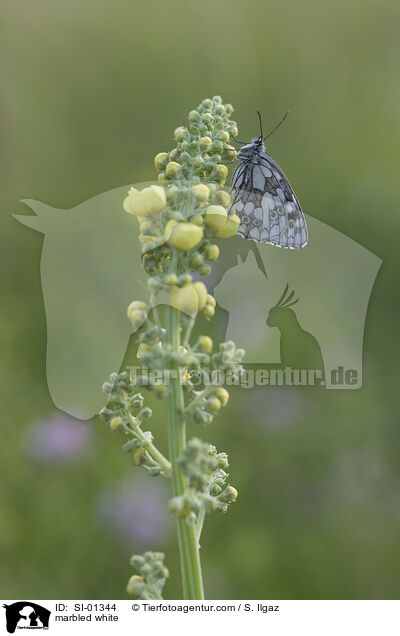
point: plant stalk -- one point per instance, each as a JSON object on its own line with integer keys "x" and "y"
{"x": 188, "y": 543}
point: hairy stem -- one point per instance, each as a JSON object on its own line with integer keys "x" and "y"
{"x": 188, "y": 544}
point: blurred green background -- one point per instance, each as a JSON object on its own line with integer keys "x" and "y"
{"x": 90, "y": 92}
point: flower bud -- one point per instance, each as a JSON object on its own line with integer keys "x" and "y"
{"x": 214, "y": 404}
{"x": 116, "y": 424}
{"x": 198, "y": 162}
{"x": 207, "y": 118}
{"x": 215, "y": 217}
{"x": 223, "y": 198}
{"x": 185, "y": 279}
{"x": 161, "y": 160}
{"x": 196, "y": 260}
{"x": 229, "y": 153}
{"x": 184, "y": 147}
{"x": 230, "y": 228}
{"x": 217, "y": 146}
{"x": 145, "y": 413}
{"x": 160, "y": 390}
{"x": 223, "y": 136}
{"x": 201, "y": 291}
{"x": 208, "y": 311}
{"x": 172, "y": 280}
{"x": 185, "y": 236}
{"x": 143, "y": 348}
{"x": 198, "y": 219}
{"x": 205, "y": 143}
{"x": 201, "y": 192}
{"x": 207, "y": 103}
{"x": 211, "y": 300}
{"x": 139, "y": 456}
{"x": 212, "y": 253}
{"x": 173, "y": 170}
{"x": 136, "y": 313}
{"x": 221, "y": 172}
{"x": 222, "y": 394}
{"x": 174, "y": 154}
{"x": 135, "y": 585}
{"x": 205, "y": 344}
{"x": 180, "y": 133}
{"x": 194, "y": 116}
{"x": 229, "y": 494}
{"x": 205, "y": 270}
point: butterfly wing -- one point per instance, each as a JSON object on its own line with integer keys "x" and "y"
{"x": 267, "y": 205}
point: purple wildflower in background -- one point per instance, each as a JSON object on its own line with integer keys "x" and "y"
{"x": 135, "y": 509}
{"x": 59, "y": 437}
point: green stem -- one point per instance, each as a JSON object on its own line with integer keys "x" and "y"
{"x": 154, "y": 453}
{"x": 188, "y": 544}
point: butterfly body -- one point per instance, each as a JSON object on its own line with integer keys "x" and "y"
{"x": 265, "y": 201}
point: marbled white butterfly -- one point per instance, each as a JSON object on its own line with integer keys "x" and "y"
{"x": 264, "y": 200}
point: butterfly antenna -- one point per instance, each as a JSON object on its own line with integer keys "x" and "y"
{"x": 259, "y": 119}
{"x": 277, "y": 126}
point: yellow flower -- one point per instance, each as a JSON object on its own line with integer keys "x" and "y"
{"x": 201, "y": 291}
{"x": 185, "y": 236}
{"x": 154, "y": 199}
{"x": 185, "y": 299}
{"x": 230, "y": 228}
{"x": 148, "y": 201}
{"x": 215, "y": 217}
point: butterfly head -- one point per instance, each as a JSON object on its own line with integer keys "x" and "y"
{"x": 253, "y": 148}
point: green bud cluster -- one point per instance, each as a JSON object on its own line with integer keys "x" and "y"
{"x": 124, "y": 413}
{"x": 208, "y": 490}
{"x": 199, "y": 461}
{"x": 151, "y": 576}
{"x": 202, "y": 145}
{"x": 123, "y": 402}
